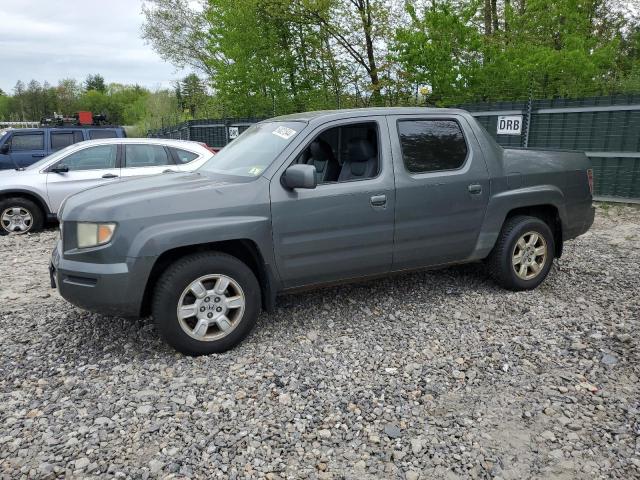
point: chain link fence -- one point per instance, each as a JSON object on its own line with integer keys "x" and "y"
{"x": 606, "y": 128}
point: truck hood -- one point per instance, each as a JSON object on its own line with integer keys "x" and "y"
{"x": 170, "y": 193}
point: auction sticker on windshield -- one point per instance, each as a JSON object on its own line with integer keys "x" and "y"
{"x": 284, "y": 132}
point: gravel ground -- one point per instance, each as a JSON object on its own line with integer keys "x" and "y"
{"x": 433, "y": 374}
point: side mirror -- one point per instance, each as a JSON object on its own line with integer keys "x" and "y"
{"x": 4, "y": 149}
{"x": 60, "y": 168}
{"x": 300, "y": 176}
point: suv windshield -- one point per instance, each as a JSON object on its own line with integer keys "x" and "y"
{"x": 253, "y": 151}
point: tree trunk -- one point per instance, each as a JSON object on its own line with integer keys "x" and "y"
{"x": 494, "y": 15}
{"x": 507, "y": 12}
{"x": 364, "y": 8}
{"x": 487, "y": 17}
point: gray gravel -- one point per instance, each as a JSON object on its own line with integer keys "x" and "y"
{"x": 433, "y": 374}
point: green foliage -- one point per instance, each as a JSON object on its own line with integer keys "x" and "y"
{"x": 266, "y": 57}
{"x": 565, "y": 48}
{"x": 122, "y": 104}
{"x": 95, "y": 82}
{"x": 191, "y": 94}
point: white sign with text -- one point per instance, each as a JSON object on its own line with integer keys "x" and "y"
{"x": 509, "y": 125}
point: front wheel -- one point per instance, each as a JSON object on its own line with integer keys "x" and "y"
{"x": 206, "y": 303}
{"x": 523, "y": 254}
{"x": 20, "y": 215}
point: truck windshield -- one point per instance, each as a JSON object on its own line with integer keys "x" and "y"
{"x": 254, "y": 150}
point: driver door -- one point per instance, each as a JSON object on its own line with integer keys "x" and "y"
{"x": 89, "y": 167}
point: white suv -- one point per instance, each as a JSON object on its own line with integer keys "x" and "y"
{"x": 30, "y": 196}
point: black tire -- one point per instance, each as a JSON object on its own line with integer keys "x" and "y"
{"x": 37, "y": 215}
{"x": 500, "y": 261}
{"x": 175, "y": 280}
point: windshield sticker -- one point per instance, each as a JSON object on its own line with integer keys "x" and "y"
{"x": 255, "y": 171}
{"x": 284, "y": 132}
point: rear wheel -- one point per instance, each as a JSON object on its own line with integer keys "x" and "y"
{"x": 206, "y": 303}
{"x": 20, "y": 215}
{"x": 523, "y": 254}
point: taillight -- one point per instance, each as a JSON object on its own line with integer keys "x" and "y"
{"x": 590, "y": 179}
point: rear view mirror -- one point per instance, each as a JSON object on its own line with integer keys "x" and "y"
{"x": 4, "y": 149}
{"x": 300, "y": 176}
{"x": 60, "y": 168}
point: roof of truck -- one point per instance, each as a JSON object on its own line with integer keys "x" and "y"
{"x": 365, "y": 112}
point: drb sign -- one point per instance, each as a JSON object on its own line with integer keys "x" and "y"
{"x": 509, "y": 125}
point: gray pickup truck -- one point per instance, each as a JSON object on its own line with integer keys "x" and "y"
{"x": 313, "y": 199}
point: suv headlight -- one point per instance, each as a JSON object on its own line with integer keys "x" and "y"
{"x": 94, "y": 234}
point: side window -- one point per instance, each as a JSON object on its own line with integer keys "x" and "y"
{"x": 98, "y": 134}
{"x": 92, "y": 158}
{"x": 184, "y": 156}
{"x": 27, "y": 141}
{"x": 59, "y": 140}
{"x": 432, "y": 145}
{"x": 344, "y": 153}
{"x": 145, "y": 156}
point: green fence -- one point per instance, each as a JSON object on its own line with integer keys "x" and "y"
{"x": 607, "y": 129}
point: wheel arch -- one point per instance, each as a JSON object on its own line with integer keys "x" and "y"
{"x": 29, "y": 195}
{"x": 549, "y": 214}
{"x": 245, "y": 250}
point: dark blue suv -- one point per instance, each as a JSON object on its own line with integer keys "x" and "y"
{"x": 20, "y": 148}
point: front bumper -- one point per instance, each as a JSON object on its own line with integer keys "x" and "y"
{"x": 110, "y": 289}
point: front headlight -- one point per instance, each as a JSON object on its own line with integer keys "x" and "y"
{"x": 94, "y": 234}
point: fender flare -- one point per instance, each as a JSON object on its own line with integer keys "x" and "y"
{"x": 502, "y": 203}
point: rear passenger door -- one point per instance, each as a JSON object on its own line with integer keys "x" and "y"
{"x": 142, "y": 159}
{"x": 27, "y": 147}
{"x": 442, "y": 189}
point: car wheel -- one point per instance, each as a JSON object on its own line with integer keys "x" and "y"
{"x": 20, "y": 215}
{"x": 206, "y": 303}
{"x": 523, "y": 254}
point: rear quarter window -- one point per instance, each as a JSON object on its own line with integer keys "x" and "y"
{"x": 184, "y": 156}
{"x": 432, "y": 145}
{"x": 97, "y": 134}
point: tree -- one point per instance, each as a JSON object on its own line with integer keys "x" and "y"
{"x": 560, "y": 48}
{"x": 179, "y": 32}
{"x": 192, "y": 93}
{"x": 361, "y": 31}
{"x": 95, "y": 82}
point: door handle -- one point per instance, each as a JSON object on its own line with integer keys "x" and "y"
{"x": 168, "y": 170}
{"x": 38, "y": 155}
{"x": 475, "y": 189}
{"x": 109, "y": 175}
{"x": 378, "y": 200}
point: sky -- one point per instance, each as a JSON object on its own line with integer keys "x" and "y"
{"x": 50, "y": 40}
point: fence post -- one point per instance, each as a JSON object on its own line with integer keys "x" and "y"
{"x": 527, "y": 118}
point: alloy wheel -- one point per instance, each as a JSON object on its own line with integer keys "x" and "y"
{"x": 529, "y": 255}
{"x": 211, "y": 307}
{"x": 16, "y": 220}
